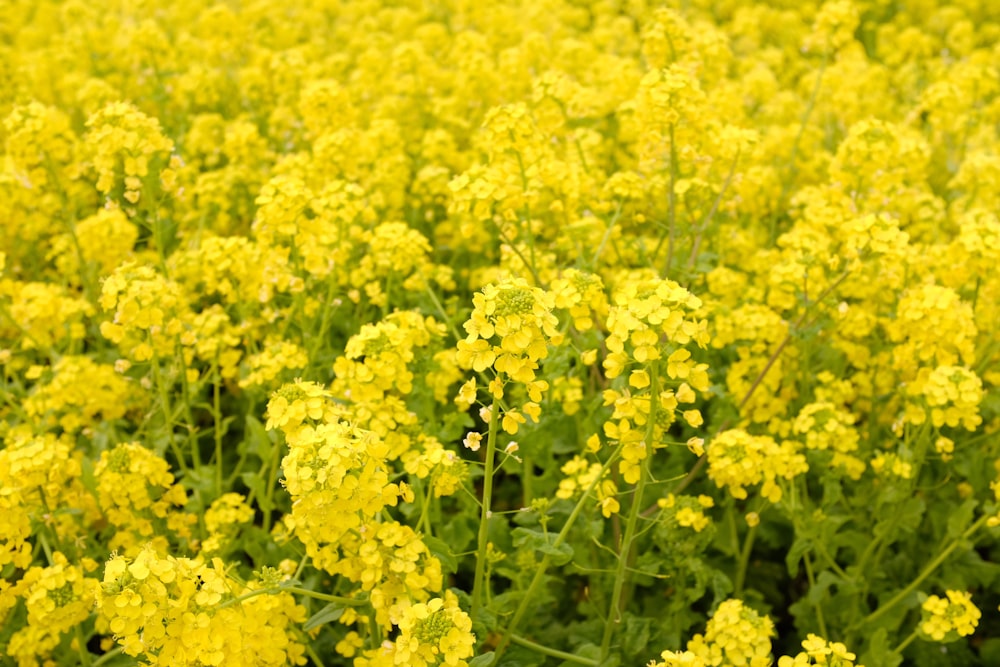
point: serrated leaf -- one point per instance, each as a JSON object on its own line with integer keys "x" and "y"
{"x": 539, "y": 541}
{"x": 458, "y": 532}
{"x": 636, "y": 637}
{"x": 440, "y": 549}
{"x": 961, "y": 518}
{"x": 879, "y": 652}
{"x": 327, "y": 614}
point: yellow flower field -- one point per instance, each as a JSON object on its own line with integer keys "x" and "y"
{"x": 506, "y": 333}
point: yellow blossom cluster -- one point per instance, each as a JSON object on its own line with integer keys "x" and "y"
{"x": 181, "y": 611}
{"x": 510, "y": 330}
{"x": 57, "y": 599}
{"x": 737, "y": 459}
{"x": 649, "y": 325}
{"x": 819, "y": 651}
{"x": 138, "y": 494}
{"x": 735, "y": 635}
{"x": 944, "y": 619}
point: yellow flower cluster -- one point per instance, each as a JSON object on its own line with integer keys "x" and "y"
{"x": 58, "y": 598}
{"x": 148, "y": 311}
{"x": 338, "y": 477}
{"x": 687, "y": 511}
{"x": 945, "y": 619}
{"x": 579, "y": 476}
{"x": 583, "y": 295}
{"x": 819, "y": 651}
{"x": 82, "y": 394}
{"x": 39, "y": 475}
{"x": 951, "y": 397}
{"x": 829, "y": 428}
{"x": 223, "y": 520}
{"x": 510, "y": 330}
{"x": 375, "y": 376}
{"x": 428, "y": 458}
{"x": 647, "y": 319}
{"x": 180, "y": 611}
{"x": 433, "y": 633}
{"x": 124, "y": 145}
{"x": 41, "y": 315}
{"x": 737, "y": 459}
{"x": 735, "y": 635}
{"x": 138, "y": 495}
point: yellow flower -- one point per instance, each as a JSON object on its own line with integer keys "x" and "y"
{"x": 944, "y": 619}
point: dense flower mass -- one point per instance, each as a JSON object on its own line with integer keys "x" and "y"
{"x": 391, "y": 333}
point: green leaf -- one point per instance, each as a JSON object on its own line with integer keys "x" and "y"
{"x": 454, "y": 426}
{"x": 519, "y": 656}
{"x": 989, "y": 652}
{"x": 484, "y": 660}
{"x": 636, "y": 637}
{"x": 799, "y": 548}
{"x": 824, "y": 582}
{"x": 539, "y": 541}
{"x": 440, "y": 549}
{"x": 327, "y": 614}
{"x": 961, "y": 518}
{"x": 258, "y": 441}
{"x": 458, "y": 532}
{"x": 256, "y": 484}
{"x": 879, "y": 652}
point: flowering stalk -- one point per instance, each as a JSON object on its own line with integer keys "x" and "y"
{"x": 491, "y": 444}
{"x": 522, "y": 607}
{"x": 927, "y": 571}
{"x": 621, "y": 572}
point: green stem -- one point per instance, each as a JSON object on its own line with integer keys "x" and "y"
{"x": 741, "y": 572}
{"x": 374, "y": 630}
{"x": 325, "y": 597}
{"x": 906, "y": 642}
{"x": 821, "y": 622}
{"x": 529, "y": 232}
{"x": 188, "y": 413}
{"x": 312, "y": 655}
{"x": 529, "y": 595}
{"x": 424, "y": 523}
{"x": 692, "y": 258}
{"x": 324, "y": 322}
{"x": 491, "y": 446}
{"x": 520, "y": 255}
{"x": 110, "y": 655}
{"x": 217, "y": 426}
{"x": 621, "y": 573}
{"x": 168, "y": 413}
{"x": 271, "y": 481}
{"x": 927, "y": 571}
{"x": 555, "y": 653}
{"x": 527, "y": 483}
{"x": 442, "y": 312}
{"x": 607, "y": 235}
{"x": 81, "y": 647}
{"x": 296, "y": 590}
